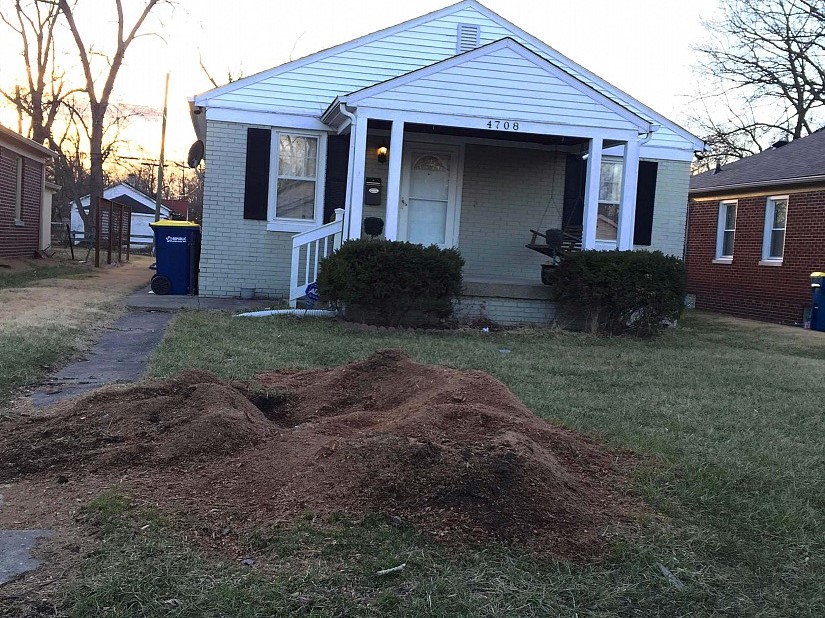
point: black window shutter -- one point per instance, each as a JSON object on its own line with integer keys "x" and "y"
{"x": 256, "y": 189}
{"x": 645, "y": 197}
{"x": 574, "y": 184}
{"x": 335, "y": 192}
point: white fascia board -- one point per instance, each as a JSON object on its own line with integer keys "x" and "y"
{"x": 135, "y": 194}
{"x": 203, "y": 98}
{"x": 359, "y": 95}
{"x": 480, "y": 122}
{"x": 270, "y": 119}
{"x": 697, "y": 143}
{"x": 661, "y": 153}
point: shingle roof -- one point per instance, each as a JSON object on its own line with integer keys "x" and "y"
{"x": 137, "y": 207}
{"x": 800, "y": 161}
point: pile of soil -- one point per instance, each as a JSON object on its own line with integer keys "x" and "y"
{"x": 156, "y": 423}
{"x": 452, "y": 452}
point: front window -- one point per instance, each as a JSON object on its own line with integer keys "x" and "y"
{"x": 297, "y": 177}
{"x": 776, "y": 217}
{"x": 726, "y": 231}
{"x": 610, "y": 197}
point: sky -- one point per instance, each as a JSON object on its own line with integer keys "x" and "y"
{"x": 640, "y": 46}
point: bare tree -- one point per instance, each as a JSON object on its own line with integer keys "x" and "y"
{"x": 764, "y": 63}
{"x": 99, "y": 97}
{"x": 41, "y": 98}
{"x": 230, "y": 76}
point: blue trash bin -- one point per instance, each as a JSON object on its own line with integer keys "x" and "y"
{"x": 177, "y": 253}
{"x": 818, "y": 301}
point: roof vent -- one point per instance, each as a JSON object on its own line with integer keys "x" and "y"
{"x": 780, "y": 143}
{"x": 467, "y": 38}
{"x": 718, "y": 167}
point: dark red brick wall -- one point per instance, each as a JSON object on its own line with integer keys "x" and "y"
{"x": 17, "y": 240}
{"x": 745, "y": 288}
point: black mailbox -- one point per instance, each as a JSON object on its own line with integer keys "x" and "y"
{"x": 372, "y": 192}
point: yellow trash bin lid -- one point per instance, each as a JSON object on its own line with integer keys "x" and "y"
{"x": 173, "y": 223}
{"x": 817, "y": 279}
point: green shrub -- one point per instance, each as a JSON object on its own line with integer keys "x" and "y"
{"x": 619, "y": 292}
{"x": 392, "y": 283}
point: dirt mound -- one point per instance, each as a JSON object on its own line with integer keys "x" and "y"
{"x": 156, "y": 423}
{"x": 452, "y": 452}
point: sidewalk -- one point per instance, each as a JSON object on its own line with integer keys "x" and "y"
{"x": 122, "y": 354}
{"x": 144, "y": 299}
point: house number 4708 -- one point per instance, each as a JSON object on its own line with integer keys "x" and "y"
{"x": 506, "y": 125}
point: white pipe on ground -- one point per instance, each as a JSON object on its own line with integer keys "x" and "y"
{"x": 313, "y": 313}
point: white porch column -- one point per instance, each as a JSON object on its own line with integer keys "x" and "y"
{"x": 627, "y": 209}
{"x": 394, "y": 180}
{"x": 357, "y": 162}
{"x": 591, "y": 193}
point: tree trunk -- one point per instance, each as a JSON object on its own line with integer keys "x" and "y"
{"x": 96, "y": 166}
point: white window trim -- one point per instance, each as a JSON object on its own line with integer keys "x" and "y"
{"x": 274, "y": 224}
{"x": 18, "y": 192}
{"x": 720, "y": 232}
{"x": 607, "y": 244}
{"x": 770, "y": 206}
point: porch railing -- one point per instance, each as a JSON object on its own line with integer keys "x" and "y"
{"x": 308, "y": 248}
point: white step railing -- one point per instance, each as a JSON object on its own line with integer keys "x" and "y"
{"x": 308, "y": 249}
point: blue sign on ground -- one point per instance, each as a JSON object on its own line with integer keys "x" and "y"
{"x": 312, "y": 294}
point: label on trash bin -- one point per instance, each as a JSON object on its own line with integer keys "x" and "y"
{"x": 171, "y": 239}
{"x": 312, "y": 294}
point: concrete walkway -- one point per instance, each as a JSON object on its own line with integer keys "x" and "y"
{"x": 119, "y": 357}
{"x": 144, "y": 299}
{"x": 16, "y": 548}
{"x": 122, "y": 354}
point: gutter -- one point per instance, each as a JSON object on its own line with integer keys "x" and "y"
{"x": 649, "y": 135}
{"x": 784, "y": 182}
{"x": 342, "y": 109}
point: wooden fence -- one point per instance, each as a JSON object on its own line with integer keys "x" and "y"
{"x": 113, "y": 230}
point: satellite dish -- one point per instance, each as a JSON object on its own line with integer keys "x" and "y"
{"x": 195, "y": 154}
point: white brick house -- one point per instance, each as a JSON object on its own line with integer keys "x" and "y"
{"x": 472, "y": 131}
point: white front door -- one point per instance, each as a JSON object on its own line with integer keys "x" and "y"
{"x": 429, "y": 195}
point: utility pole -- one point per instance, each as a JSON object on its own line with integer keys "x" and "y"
{"x": 159, "y": 192}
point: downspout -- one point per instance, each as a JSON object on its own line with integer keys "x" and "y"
{"x": 342, "y": 108}
{"x": 653, "y": 128}
{"x": 310, "y": 313}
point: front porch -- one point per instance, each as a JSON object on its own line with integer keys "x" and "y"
{"x": 474, "y": 152}
{"x": 494, "y": 188}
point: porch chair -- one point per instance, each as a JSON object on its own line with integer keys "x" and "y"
{"x": 557, "y": 244}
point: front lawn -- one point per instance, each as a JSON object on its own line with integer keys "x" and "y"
{"x": 25, "y": 272}
{"x": 50, "y": 309}
{"x": 729, "y": 413}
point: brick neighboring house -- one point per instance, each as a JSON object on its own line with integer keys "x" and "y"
{"x": 24, "y": 201}
{"x": 756, "y": 231}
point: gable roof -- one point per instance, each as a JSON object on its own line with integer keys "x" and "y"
{"x": 331, "y": 51}
{"x": 801, "y": 161}
{"x": 572, "y": 83}
{"x": 257, "y": 87}
{"x": 38, "y": 150}
{"x": 124, "y": 193}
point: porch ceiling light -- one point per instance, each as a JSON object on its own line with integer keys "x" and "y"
{"x": 382, "y": 153}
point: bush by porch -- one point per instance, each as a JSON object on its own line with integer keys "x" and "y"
{"x": 392, "y": 283}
